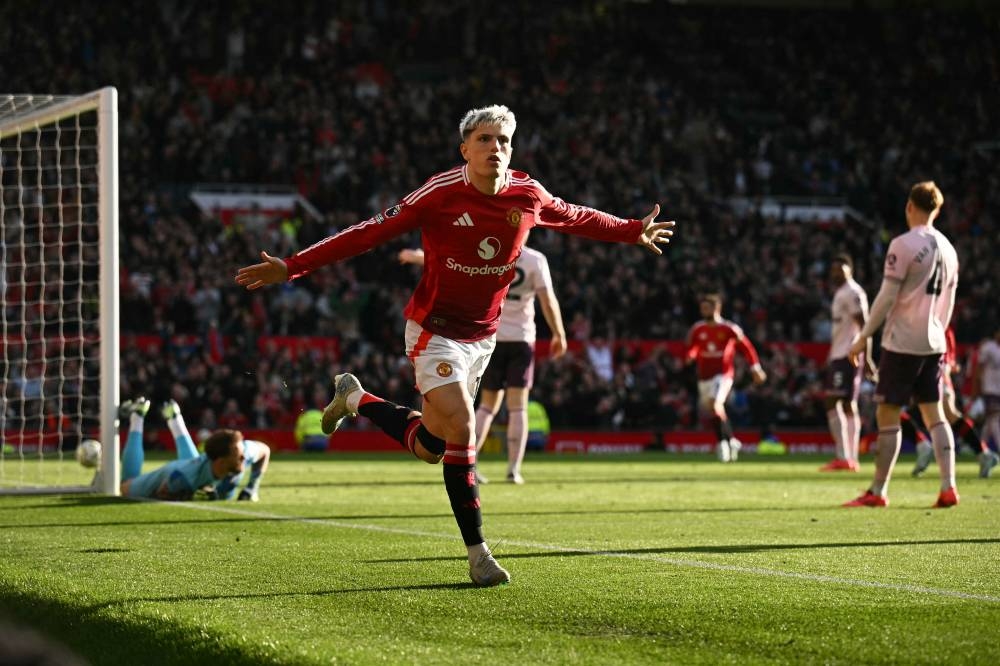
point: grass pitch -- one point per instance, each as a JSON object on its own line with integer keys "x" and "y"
{"x": 642, "y": 559}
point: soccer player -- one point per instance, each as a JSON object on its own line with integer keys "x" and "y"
{"x": 849, "y": 311}
{"x": 915, "y": 301}
{"x": 219, "y": 469}
{"x": 473, "y": 219}
{"x": 512, "y": 365}
{"x": 712, "y": 344}
{"x": 987, "y": 383}
{"x": 962, "y": 427}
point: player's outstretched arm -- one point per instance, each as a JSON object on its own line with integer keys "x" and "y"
{"x": 655, "y": 233}
{"x": 270, "y": 271}
{"x": 411, "y": 256}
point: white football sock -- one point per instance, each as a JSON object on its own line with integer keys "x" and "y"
{"x": 135, "y": 422}
{"x": 853, "y": 434}
{"x": 944, "y": 452}
{"x": 838, "y": 430}
{"x": 177, "y": 426}
{"x": 517, "y": 439}
{"x": 484, "y": 419}
{"x": 889, "y": 441}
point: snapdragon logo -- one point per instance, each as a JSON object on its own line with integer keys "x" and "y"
{"x": 453, "y": 265}
{"x": 489, "y": 247}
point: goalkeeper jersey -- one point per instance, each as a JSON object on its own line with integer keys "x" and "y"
{"x": 182, "y": 477}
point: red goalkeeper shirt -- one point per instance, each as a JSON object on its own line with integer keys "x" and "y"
{"x": 471, "y": 242}
{"x": 713, "y": 345}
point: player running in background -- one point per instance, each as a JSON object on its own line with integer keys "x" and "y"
{"x": 962, "y": 427}
{"x": 849, "y": 312}
{"x": 219, "y": 469}
{"x": 512, "y": 365}
{"x": 473, "y": 220}
{"x": 987, "y": 385}
{"x": 915, "y": 301}
{"x": 712, "y": 344}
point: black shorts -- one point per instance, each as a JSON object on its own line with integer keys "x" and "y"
{"x": 843, "y": 380}
{"x": 511, "y": 366}
{"x": 902, "y": 376}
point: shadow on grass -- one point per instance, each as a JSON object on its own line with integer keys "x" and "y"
{"x": 124, "y": 640}
{"x": 399, "y": 516}
{"x": 720, "y": 549}
{"x": 181, "y": 598}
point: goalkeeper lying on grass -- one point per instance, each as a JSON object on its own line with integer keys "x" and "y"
{"x": 218, "y": 472}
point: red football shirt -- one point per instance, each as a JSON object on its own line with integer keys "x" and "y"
{"x": 713, "y": 344}
{"x": 471, "y": 242}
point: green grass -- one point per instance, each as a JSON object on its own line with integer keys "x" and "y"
{"x": 644, "y": 559}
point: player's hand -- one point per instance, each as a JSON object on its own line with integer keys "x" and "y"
{"x": 655, "y": 233}
{"x": 409, "y": 256}
{"x": 758, "y": 375}
{"x": 871, "y": 371}
{"x": 270, "y": 271}
{"x": 859, "y": 347}
{"x": 557, "y": 346}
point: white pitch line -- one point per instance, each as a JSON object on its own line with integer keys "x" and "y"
{"x": 695, "y": 564}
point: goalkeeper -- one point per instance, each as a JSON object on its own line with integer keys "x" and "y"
{"x": 218, "y": 471}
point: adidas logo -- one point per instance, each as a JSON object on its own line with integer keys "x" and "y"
{"x": 464, "y": 221}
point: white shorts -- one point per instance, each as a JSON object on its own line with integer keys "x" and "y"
{"x": 714, "y": 390}
{"x": 438, "y": 360}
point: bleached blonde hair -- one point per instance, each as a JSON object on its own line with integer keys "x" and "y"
{"x": 496, "y": 114}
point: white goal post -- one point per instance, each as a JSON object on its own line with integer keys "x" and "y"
{"x": 59, "y": 333}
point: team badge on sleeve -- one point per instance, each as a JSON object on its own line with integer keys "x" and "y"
{"x": 394, "y": 211}
{"x": 444, "y": 369}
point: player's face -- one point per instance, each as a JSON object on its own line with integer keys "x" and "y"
{"x": 234, "y": 461}
{"x": 838, "y": 273}
{"x": 488, "y": 150}
{"x": 707, "y": 309}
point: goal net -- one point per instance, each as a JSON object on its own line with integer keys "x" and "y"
{"x": 58, "y": 290}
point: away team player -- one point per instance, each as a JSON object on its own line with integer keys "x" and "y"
{"x": 915, "y": 302}
{"x": 849, "y": 312}
{"x": 712, "y": 344}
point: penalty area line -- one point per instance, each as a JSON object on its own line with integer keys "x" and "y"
{"x": 646, "y": 557}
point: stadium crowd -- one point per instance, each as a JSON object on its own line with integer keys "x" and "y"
{"x": 356, "y": 108}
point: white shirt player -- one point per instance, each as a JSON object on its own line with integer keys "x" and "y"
{"x": 848, "y": 302}
{"x": 989, "y": 364}
{"x": 925, "y": 264}
{"x": 517, "y": 320}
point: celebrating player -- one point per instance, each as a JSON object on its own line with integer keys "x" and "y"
{"x": 849, "y": 311}
{"x": 474, "y": 219}
{"x": 915, "y": 302}
{"x": 219, "y": 469}
{"x": 512, "y": 365}
{"x": 712, "y": 344}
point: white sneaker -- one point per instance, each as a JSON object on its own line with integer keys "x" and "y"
{"x": 515, "y": 478}
{"x": 337, "y": 410}
{"x": 480, "y": 479}
{"x": 722, "y": 450}
{"x": 734, "y": 449}
{"x": 486, "y": 572}
{"x": 925, "y": 454}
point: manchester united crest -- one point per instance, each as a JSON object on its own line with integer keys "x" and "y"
{"x": 444, "y": 369}
{"x": 514, "y": 216}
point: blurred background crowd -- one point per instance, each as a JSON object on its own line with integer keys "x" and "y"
{"x": 619, "y": 105}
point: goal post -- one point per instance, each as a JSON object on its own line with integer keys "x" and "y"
{"x": 59, "y": 272}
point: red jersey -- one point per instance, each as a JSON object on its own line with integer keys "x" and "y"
{"x": 714, "y": 344}
{"x": 471, "y": 242}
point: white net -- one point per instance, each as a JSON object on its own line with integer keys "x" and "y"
{"x": 50, "y": 289}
